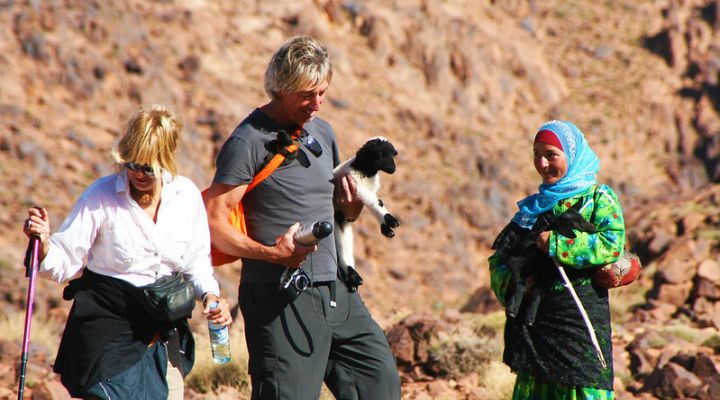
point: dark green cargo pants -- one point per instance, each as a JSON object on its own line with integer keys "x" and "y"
{"x": 295, "y": 347}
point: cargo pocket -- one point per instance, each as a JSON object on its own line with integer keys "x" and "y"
{"x": 263, "y": 371}
{"x": 259, "y": 303}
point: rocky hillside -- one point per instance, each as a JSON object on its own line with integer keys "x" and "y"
{"x": 459, "y": 86}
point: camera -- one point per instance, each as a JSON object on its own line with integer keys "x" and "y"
{"x": 293, "y": 282}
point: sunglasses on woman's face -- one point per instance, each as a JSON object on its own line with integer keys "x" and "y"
{"x": 144, "y": 168}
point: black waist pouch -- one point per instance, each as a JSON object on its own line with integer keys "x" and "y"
{"x": 168, "y": 299}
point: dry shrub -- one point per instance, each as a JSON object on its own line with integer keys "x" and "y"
{"x": 624, "y": 299}
{"x": 678, "y": 329}
{"x": 498, "y": 380}
{"x": 45, "y": 332}
{"x": 206, "y": 376}
{"x": 713, "y": 342}
{"x": 469, "y": 347}
{"x": 326, "y": 394}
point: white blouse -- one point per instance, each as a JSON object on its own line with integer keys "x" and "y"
{"x": 109, "y": 231}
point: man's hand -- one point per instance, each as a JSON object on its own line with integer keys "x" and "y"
{"x": 346, "y": 199}
{"x": 288, "y": 252}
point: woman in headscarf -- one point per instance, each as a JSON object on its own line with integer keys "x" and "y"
{"x": 554, "y": 355}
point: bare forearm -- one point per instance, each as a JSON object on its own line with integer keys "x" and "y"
{"x": 220, "y": 200}
{"x": 231, "y": 241}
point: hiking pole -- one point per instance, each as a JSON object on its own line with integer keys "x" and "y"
{"x": 588, "y": 324}
{"x": 31, "y": 271}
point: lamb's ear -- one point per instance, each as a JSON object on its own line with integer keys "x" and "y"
{"x": 503, "y": 233}
{"x": 566, "y": 231}
{"x": 576, "y": 206}
{"x": 511, "y": 233}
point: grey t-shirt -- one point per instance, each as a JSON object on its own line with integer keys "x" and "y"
{"x": 299, "y": 190}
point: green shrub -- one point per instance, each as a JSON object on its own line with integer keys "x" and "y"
{"x": 713, "y": 342}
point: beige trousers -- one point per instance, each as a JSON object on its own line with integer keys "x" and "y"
{"x": 176, "y": 385}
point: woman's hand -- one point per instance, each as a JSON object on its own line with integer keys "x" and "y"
{"x": 543, "y": 241}
{"x": 220, "y": 314}
{"x": 38, "y": 224}
{"x": 346, "y": 199}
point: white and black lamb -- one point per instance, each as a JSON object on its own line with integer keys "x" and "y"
{"x": 377, "y": 154}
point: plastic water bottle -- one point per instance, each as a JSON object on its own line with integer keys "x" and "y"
{"x": 219, "y": 340}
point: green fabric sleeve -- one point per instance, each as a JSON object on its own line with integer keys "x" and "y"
{"x": 602, "y": 208}
{"x": 499, "y": 278}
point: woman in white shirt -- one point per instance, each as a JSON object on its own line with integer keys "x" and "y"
{"x": 143, "y": 223}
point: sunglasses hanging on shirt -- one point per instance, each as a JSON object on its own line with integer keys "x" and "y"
{"x": 313, "y": 145}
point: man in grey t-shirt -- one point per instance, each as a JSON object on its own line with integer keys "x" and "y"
{"x": 326, "y": 333}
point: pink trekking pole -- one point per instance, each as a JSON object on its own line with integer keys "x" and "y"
{"x": 31, "y": 272}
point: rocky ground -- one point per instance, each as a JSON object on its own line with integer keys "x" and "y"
{"x": 459, "y": 87}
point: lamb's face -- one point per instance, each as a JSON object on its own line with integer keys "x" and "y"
{"x": 376, "y": 155}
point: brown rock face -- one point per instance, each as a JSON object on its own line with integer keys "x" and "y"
{"x": 459, "y": 87}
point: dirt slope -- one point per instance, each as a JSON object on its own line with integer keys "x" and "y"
{"x": 459, "y": 87}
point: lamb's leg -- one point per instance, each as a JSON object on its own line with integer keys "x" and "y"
{"x": 346, "y": 259}
{"x": 512, "y": 305}
{"x": 519, "y": 284}
{"x": 532, "y": 308}
{"x": 387, "y": 221}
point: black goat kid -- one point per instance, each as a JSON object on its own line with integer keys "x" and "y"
{"x": 516, "y": 247}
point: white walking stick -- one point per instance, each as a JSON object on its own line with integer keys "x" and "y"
{"x": 588, "y": 324}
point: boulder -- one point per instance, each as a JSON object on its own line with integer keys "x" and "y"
{"x": 676, "y": 382}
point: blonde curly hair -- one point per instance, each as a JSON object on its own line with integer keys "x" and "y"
{"x": 301, "y": 63}
{"x": 152, "y": 137}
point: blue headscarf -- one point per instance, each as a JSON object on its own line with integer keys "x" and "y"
{"x": 583, "y": 166}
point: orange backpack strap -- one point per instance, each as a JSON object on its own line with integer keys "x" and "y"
{"x": 269, "y": 168}
{"x": 237, "y": 216}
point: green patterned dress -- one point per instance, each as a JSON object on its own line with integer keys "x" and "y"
{"x": 554, "y": 357}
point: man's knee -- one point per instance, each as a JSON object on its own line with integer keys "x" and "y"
{"x": 386, "y": 382}
{"x": 390, "y": 379}
{"x": 382, "y": 383}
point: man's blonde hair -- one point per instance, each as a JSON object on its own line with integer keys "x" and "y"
{"x": 152, "y": 137}
{"x": 301, "y": 63}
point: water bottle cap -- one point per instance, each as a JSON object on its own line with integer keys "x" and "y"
{"x": 214, "y": 305}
